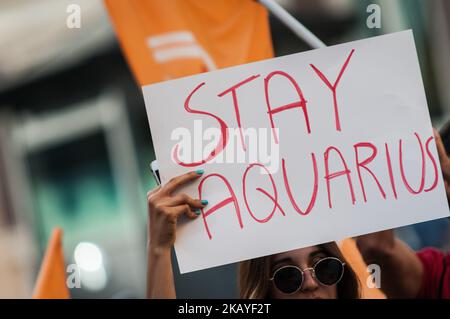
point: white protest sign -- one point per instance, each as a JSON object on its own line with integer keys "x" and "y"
{"x": 299, "y": 150}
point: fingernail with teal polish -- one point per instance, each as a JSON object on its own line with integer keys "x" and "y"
{"x": 204, "y": 202}
{"x": 200, "y": 171}
{"x": 197, "y": 212}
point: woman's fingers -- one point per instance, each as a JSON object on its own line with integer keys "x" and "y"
{"x": 181, "y": 199}
{"x": 181, "y": 180}
{"x": 160, "y": 200}
{"x": 440, "y": 146}
{"x": 443, "y": 157}
{"x": 185, "y": 209}
{"x": 153, "y": 191}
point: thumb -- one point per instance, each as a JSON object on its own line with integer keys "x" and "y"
{"x": 442, "y": 153}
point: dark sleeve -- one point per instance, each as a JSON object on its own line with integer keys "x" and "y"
{"x": 432, "y": 260}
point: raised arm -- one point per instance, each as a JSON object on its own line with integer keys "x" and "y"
{"x": 401, "y": 269}
{"x": 164, "y": 209}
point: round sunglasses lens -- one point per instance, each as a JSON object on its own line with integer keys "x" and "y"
{"x": 329, "y": 271}
{"x": 288, "y": 280}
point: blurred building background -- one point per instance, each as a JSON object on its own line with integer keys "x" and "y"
{"x": 75, "y": 145}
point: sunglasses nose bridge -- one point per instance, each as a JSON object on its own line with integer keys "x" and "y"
{"x": 311, "y": 270}
{"x": 309, "y": 283}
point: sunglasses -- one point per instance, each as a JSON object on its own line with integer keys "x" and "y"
{"x": 327, "y": 271}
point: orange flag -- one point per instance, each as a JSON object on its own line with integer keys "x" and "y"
{"x": 353, "y": 256}
{"x": 51, "y": 281}
{"x": 169, "y": 39}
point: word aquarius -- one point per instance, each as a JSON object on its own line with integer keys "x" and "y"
{"x": 364, "y": 153}
{"x": 389, "y": 187}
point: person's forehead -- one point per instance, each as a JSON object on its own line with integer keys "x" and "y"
{"x": 298, "y": 254}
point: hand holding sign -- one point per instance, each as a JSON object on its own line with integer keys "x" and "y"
{"x": 164, "y": 209}
{"x": 444, "y": 160}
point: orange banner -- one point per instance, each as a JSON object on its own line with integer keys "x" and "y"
{"x": 164, "y": 40}
{"x": 351, "y": 253}
{"x": 51, "y": 281}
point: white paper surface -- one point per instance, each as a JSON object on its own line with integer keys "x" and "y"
{"x": 381, "y": 100}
